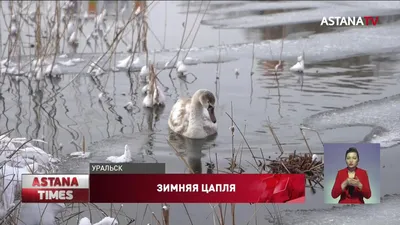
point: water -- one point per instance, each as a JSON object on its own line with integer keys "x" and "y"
{"x": 344, "y": 68}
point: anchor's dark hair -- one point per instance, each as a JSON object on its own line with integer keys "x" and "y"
{"x": 350, "y": 150}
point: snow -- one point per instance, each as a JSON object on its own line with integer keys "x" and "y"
{"x": 104, "y": 221}
{"x": 82, "y": 155}
{"x": 126, "y": 157}
{"x": 17, "y": 159}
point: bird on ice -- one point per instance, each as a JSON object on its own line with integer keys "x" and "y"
{"x": 299, "y": 66}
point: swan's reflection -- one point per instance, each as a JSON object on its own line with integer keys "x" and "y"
{"x": 153, "y": 116}
{"x": 301, "y": 78}
{"x": 191, "y": 148}
{"x": 183, "y": 84}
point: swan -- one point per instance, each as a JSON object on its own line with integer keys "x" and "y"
{"x": 194, "y": 117}
{"x": 299, "y": 66}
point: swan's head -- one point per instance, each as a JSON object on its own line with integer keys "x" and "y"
{"x": 299, "y": 58}
{"x": 179, "y": 63}
{"x": 207, "y": 100}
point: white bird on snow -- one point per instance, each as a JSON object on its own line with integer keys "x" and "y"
{"x": 299, "y": 66}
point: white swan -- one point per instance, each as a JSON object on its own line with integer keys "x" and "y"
{"x": 194, "y": 117}
{"x": 299, "y": 66}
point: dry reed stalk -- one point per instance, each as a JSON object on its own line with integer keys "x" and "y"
{"x": 56, "y": 40}
{"x": 83, "y": 145}
{"x": 154, "y": 216}
{"x": 221, "y": 216}
{"x": 118, "y": 38}
{"x": 244, "y": 139}
{"x": 165, "y": 214}
{"x": 144, "y": 37}
{"x": 233, "y": 207}
{"x": 1, "y": 38}
{"x": 232, "y": 128}
{"x": 176, "y": 57}
{"x": 319, "y": 136}
{"x": 275, "y": 138}
{"x": 305, "y": 140}
{"x": 38, "y": 34}
{"x": 152, "y": 81}
{"x": 60, "y": 90}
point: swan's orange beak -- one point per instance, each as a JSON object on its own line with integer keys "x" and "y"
{"x": 211, "y": 113}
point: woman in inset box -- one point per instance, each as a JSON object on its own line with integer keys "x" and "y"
{"x": 352, "y": 183}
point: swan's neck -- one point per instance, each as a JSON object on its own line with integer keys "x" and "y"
{"x": 196, "y": 112}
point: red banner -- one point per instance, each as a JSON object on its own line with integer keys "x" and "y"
{"x": 197, "y": 188}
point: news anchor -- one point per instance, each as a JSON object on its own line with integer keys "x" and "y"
{"x": 352, "y": 183}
